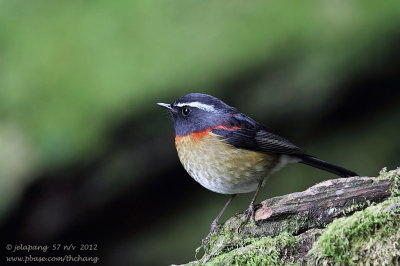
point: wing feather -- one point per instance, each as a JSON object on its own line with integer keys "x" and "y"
{"x": 253, "y": 136}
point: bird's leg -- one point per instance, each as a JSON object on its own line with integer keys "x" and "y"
{"x": 250, "y": 212}
{"x": 214, "y": 224}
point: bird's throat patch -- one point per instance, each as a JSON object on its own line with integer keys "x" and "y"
{"x": 195, "y": 136}
{"x": 199, "y": 135}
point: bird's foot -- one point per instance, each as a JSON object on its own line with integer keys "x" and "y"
{"x": 249, "y": 213}
{"x": 205, "y": 241}
{"x": 213, "y": 230}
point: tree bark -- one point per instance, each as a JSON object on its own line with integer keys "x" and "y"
{"x": 287, "y": 227}
{"x": 318, "y": 205}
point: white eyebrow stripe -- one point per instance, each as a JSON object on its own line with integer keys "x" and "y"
{"x": 203, "y": 106}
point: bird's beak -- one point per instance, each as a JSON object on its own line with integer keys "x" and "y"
{"x": 165, "y": 105}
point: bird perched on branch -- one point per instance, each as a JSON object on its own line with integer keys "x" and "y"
{"x": 228, "y": 152}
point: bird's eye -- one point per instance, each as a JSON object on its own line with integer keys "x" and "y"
{"x": 186, "y": 111}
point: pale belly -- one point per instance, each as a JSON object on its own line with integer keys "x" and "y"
{"x": 222, "y": 168}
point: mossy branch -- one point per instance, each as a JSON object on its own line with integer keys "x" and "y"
{"x": 318, "y": 206}
{"x": 289, "y": 226}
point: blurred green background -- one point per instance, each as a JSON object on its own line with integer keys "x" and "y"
{"x": 87, "y": 157}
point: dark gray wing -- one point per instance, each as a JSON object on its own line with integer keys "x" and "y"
{"x": 252, "y": 136}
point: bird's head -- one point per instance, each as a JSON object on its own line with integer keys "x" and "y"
{"x": 196, "y": 112}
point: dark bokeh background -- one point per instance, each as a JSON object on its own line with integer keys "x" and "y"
{"x": 87, "y": 157}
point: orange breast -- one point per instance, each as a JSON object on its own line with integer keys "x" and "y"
{"x": 221, "y": 167}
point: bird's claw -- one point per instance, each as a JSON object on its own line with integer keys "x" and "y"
{"x": 250, "y": 212}
{"x": 213, "y": 230}
{"x": 205, "y": 241}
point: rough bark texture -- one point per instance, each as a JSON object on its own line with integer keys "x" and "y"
{"x": 304, "y": 227}
{"x": 318, "y": 205}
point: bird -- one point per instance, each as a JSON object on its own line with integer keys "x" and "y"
{"x": 228, "y": 152}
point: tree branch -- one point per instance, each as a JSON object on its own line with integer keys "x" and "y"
{"x": 286, "y": 228}
{"x": 318, "y": 205}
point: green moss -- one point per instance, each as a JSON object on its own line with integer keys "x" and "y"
{"x": 366, "y": 237}
{"x": 394, "y": 176}
{"x": 256, "y": 251}
{"x": 382, "y": 173}
{"x": 228, "y": 247}
{"x": 356, "y": 207}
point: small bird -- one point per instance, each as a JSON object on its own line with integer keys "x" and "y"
{"x": 228, "y": 152}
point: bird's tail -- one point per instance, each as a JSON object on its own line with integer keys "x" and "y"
{"x": 321, "y": 164}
